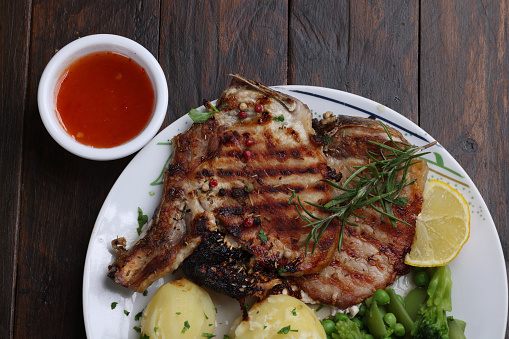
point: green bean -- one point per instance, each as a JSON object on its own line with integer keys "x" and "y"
{"x": 401, "y": 300}
{"x": 413, "y": 301}
{"x": 375, "y": 321}
{"x": 395, "y": 306}
{"x": 455, "y": 331}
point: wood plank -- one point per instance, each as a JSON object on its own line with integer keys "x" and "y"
{"x": 369, "y": 48}
{"x": 14, "y": 39}
{"x": 203, "y": 41}
{"x": 62, "y": 194}
{"x": 464, "y": 73}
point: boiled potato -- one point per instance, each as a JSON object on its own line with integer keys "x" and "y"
{"x": 179, "y": 309}
{"x": 276, "y": 315}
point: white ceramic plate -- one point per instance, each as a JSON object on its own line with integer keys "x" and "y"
{"x": 479, "y": 275}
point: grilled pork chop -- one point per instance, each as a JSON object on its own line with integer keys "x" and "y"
{"x": 224, "y": 216}
{"x": 230, "y": 178}
{"x": 373, "y": 252}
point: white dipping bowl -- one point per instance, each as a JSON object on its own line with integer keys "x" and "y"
{"x": 46, "y": 96}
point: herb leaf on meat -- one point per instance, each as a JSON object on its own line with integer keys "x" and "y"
{"x": 201, "y": 117}
{"x": 142, "y": 220}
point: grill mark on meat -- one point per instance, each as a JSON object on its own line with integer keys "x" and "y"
{"x": 293, "y": 134}
{"x": 269, "y": 140}
{"x": 280, "y": 154}
{"x": 264, "y": 120}
{"x": 266, "y": 172}
{"x": 228, "y": 211}
{"x": 274, "y": 207}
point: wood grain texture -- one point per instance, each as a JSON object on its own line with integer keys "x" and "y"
{"x": 444, "y": 64}
{"x": 203, "y": 41}
{"x": 62, "y": 194}
{"x": 14, "y": 38}
{"x": 369, "y": 48}
{"x": 464, "y": 93}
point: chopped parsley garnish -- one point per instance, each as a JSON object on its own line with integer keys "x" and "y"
{"x": 326, "y": 138}
{"x": 205, "y": 314}
{"x": 126, "y": 312}
{"x": 207, "y": 335}
{"x": 279, "y": 118}
{"x": 294, "y": 312}
{"x": 145, "y": 293}
{"x": 178, "y": 313}
{"x": 186, "y": 326}
{"x": 137, "y": 329}
{"x": 144, "y": 336}
{"x": 113, "y": 305}
{"x": 152, "y": 193}
{"x": 226, "y": 336}
{"x": 138, "y": 316}
{"x": 156, "y": 328}
{"x": 142, "y": 220}
{"x": 286, "y": 330}
{"x": 319, "y": 308}
{"x": 262, "y": 236}
{"x": 282, "y": 270}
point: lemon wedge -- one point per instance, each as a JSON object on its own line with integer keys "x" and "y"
{"x": 442, "y": 227}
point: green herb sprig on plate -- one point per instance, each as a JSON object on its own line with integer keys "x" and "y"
{"x": 380, "y": 181}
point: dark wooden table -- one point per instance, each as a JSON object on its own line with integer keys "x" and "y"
{"x": 443, "y": 64}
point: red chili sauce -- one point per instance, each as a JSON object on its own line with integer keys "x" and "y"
{"x": 104, "y": 99}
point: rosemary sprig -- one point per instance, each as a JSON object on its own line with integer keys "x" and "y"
{"x": 377, "y": 184}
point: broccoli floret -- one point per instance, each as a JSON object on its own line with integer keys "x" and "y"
{"x": 347, "y": 329}
{"x": 431, "y": 322}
